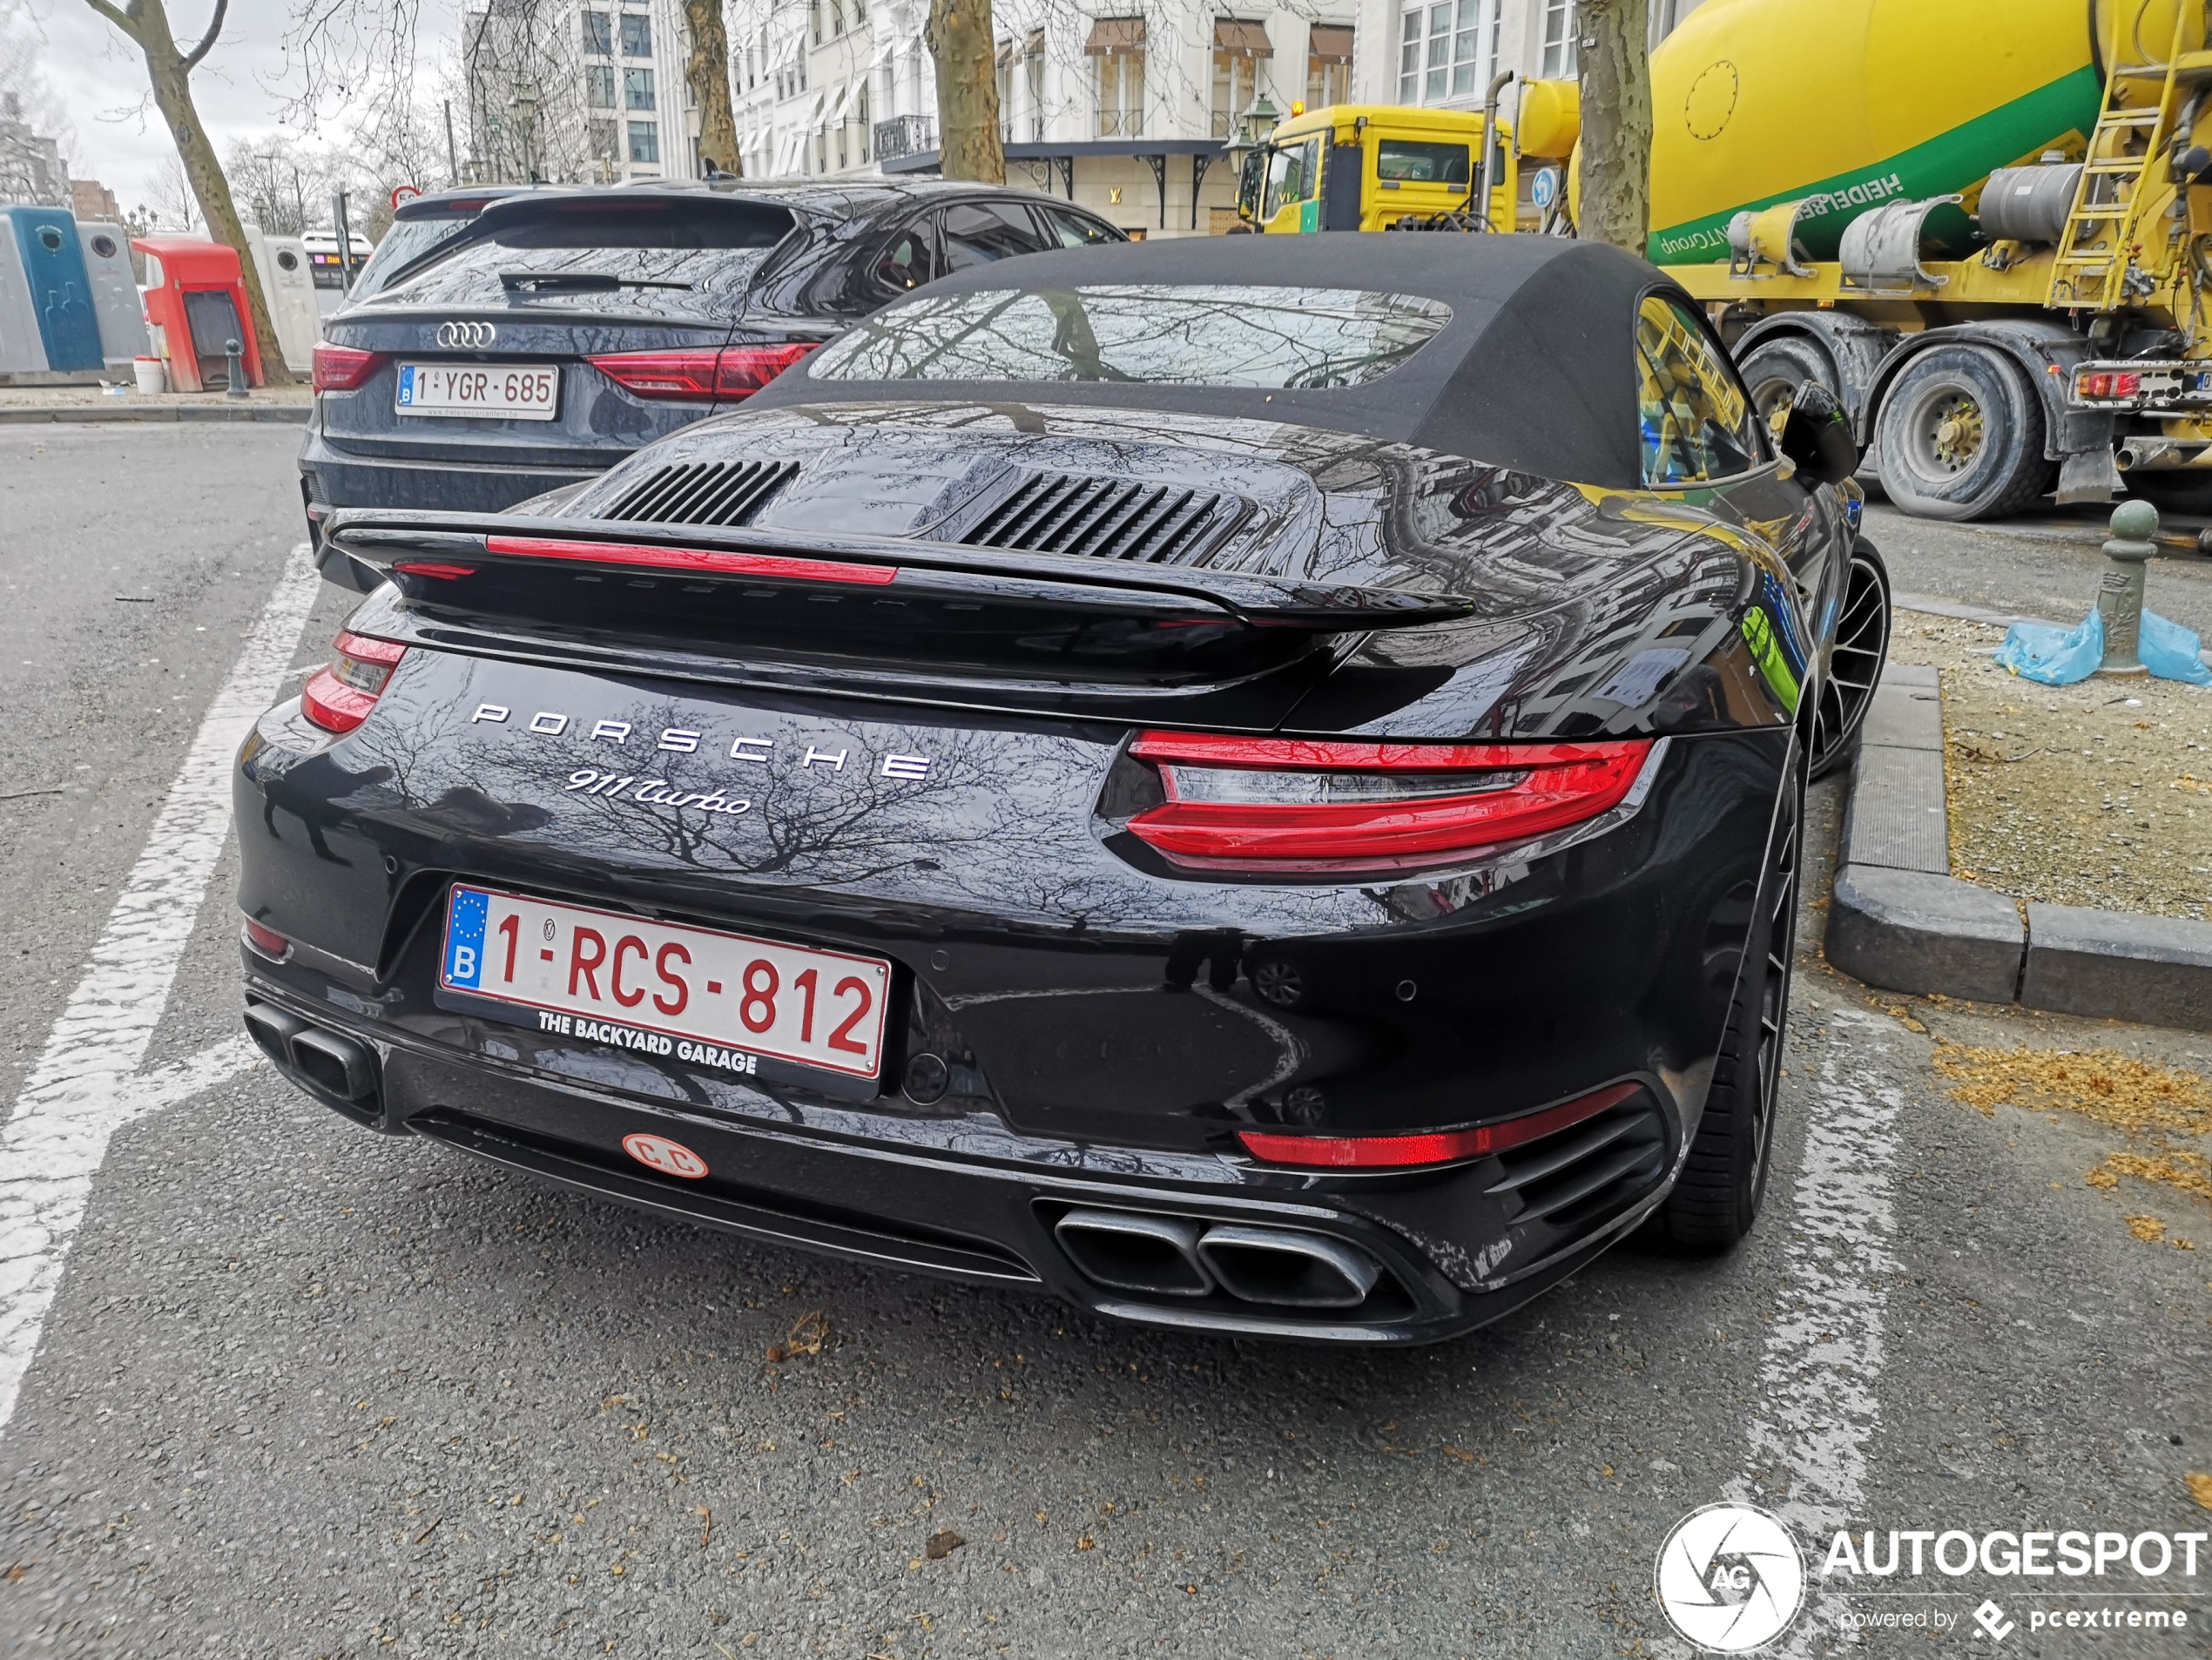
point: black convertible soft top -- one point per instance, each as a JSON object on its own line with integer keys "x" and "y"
{"x": 1536, "y": 370}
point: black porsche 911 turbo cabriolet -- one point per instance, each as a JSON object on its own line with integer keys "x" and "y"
{"x": 1259, "y": 795}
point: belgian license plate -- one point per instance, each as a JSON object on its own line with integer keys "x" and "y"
{"x": 521, "y": 391}
{"x": 584, "y": 970}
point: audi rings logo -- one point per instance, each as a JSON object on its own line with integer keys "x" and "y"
{"x": 456, "y": 337}
{"x": 1730, "y": 1578}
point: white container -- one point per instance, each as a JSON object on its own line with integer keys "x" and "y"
{"x": 152, "y": 377}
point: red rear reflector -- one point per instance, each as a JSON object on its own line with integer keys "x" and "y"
{"x": 339, "y": 696}
{"x": 423, "y": 568}
{"x": 729, "y": 372}
{"x": 706, "y": 561}
{"x": 2126, "y": 386}
{"x": 1433, "y": 1147}
{"x": 343, "y": 368}
{"x": 267, "y": 942}
{"x": 1313, "y": 802}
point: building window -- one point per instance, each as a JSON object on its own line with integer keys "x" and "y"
{"x": 815, "y": 19}
{"x": 1003, "y": 58}
{"x": 638, "y": 89}
{"x": 1328, "y": 66}
{"x": 1559, "y": 40}
{"x": 645, "y": 141}
{"x": 837, "y": 18}
{"x": 860, "y": 113}
{"x": 1033, "y": 79}
{"x": 637, "y": 34}
{"x": 1238, "y": 49}
{"x": 600, "y": 135}
{"x": 599, "y": 85}
{"x": 598, "y": 33}
{"x": 1445, "y": 51}
{"x": 1117, "y": 46}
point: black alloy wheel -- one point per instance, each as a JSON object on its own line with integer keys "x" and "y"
{"x": 1723, "y": 1181}
{"x": 1854, "y": 667}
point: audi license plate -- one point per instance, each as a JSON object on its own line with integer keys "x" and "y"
{"x": 604, "y": 976}
{"x": 521, "y": 391}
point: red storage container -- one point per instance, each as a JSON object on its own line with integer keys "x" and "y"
{"x": 196, "y": 302}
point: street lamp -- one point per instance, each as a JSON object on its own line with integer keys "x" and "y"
{"x": 525, "y": 102}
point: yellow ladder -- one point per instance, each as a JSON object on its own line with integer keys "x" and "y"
{"x": 2095, "y": 258}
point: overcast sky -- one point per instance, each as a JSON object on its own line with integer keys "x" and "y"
{"x": 98, "y": 77}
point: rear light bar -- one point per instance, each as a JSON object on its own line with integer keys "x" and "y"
{"x": 1258, "y": 802}
{"x": 704, "y": 561}
{"x": 343, "y": 368}
{"x": 339, "y": 696}
{"x": 733, "y": 372}
{"x": 267, "y": 942}
{"x": 1431, "y": 1147}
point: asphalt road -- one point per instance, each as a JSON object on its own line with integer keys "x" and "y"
{"x": 304, "y": 1392}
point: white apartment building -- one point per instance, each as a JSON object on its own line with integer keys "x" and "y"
{"x": 1125, "y": 107}
{"x": 578, "y": 91}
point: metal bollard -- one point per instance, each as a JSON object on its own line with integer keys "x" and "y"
{"x": 234, "y": 356}
{"x": 2120, "y": 596}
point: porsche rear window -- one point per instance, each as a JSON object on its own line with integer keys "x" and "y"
{"x": 1155, "y": 335}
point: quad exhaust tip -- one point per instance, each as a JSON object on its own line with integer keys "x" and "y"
{"x": 337, "y": 1066}
{"x": 1168, "y": 1256}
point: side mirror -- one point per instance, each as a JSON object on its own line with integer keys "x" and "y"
{"x": 1814, "y": 433}
{"x": 1249, "y": 182}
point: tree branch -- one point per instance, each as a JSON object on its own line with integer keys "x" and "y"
{"x": 115, "y": 17}
{"x": 207, "y": 40}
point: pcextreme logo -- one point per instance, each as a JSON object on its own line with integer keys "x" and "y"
{"x": 1730, "y": 1578}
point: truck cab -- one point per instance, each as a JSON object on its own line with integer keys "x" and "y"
{"x": 1377, "y": 167}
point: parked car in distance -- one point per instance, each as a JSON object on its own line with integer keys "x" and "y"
{"x": 555, "y": 333}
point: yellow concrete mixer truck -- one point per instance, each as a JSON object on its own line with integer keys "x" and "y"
{"x": 1985, "y": 224}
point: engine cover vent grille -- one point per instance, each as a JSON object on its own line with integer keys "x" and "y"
{"x": 703, "y": 492}
{"x": 1105, "y": 518}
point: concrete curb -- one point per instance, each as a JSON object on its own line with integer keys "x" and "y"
{"x": 1899, "y": 919}
{"x": 296, "y": 413}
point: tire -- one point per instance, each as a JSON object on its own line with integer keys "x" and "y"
{"x": 1777, "y": 369}
{"x": 1854, "y": 664}
{"x": 1960, "y": 436}
{"x": 1723, "y": 1181}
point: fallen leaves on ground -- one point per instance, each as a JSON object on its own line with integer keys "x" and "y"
{"x": 2148, "y": 1229}
{"x": 807, "y": 1335}
{"x": 2102, "y": 1085}
{"x": 2200, "y": 1486}
{"x": 941, "y": 1544}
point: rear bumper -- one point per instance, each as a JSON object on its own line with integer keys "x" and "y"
{"x": 964, "y": 1198}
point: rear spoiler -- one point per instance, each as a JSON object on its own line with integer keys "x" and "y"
{"x": 432, "y": 559}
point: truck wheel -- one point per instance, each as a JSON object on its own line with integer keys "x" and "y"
{"x": 1960, "y": 436}
{"x": 1777, "y": 369}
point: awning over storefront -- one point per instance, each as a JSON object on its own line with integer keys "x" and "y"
{"x": 1109, "y": 36}
{"x": 1241, "y": 39}
{"x": 1330, "y": 43}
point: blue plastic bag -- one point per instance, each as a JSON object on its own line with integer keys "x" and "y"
{"x": 2056, "y": 656}
{"x": 2169, "y": 652}
{"x": 2059, "y": 657}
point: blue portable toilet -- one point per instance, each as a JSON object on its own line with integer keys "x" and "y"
{"x": 22, "y": 352}
{"x": 61, "y": 290}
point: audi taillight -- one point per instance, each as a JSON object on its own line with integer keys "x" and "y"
{"x": 339, "y": 696}
{"x": 1429, "y": 1147}
{"x": 1318, "y": 805}
{"x": 343, "y": 368}
{"x": 733, "y": 372}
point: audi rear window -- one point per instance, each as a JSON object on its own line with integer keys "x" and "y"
{"x": 1213, "y": 335}
{"x": 406, "y": 241}
{"x": 631, "y": 258}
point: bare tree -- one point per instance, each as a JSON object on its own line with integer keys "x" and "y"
{"x": 1616, "y": 199}
{"x": 959, "y": 36}
{"x": 174, "y": 209}
{"x": 707, "y": 70}
{"x": 146, "y": 24}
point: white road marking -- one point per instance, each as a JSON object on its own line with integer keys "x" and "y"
{"x": 1819, "y": 1407}
{"x": 89, "y": 1080}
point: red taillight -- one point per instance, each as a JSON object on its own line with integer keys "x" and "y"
{"x": 707, "y": 561}
{"x": 338, "y": 697}
{"x": 1433, "y": 1147}
{"x": 431, "y": 568}
{"x": 733, "y": 372}
{"x": 267, "y": 942}
{"x": 1295, "y": 803}
{"x": 343, "y": 368}
{"x": 2126, "y": 386}
{"x": 2095, "y": 386}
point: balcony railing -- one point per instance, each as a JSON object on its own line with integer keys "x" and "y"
{"x": 904, "y": 135}
{"x": 1122, "y": 123}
